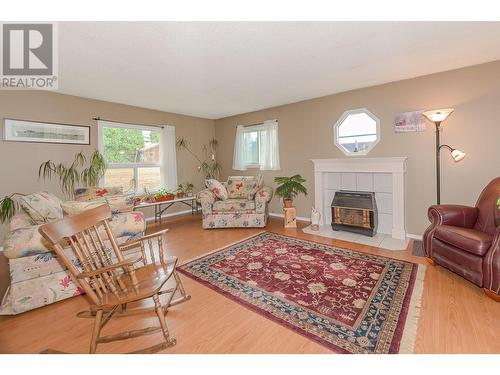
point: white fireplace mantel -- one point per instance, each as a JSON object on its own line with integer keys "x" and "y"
{"x": 348, "y": 167}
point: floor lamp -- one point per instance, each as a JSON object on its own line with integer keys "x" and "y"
{"x": 437, "y": 117}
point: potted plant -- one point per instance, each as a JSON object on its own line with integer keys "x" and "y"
{"x": 189, "y": 189}
{"x": 8, "y": 207}
{"x": 289, "y": 187}
{"x": 181, "y": 191}
{"x": 70, "y": 176}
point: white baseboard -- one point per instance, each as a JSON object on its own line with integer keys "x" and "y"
{"x": 299, "y": 218}
{"x": 152, "y": 218}
{"x": 414, "y": 236}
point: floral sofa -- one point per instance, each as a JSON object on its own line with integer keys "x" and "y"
{"x": 36, "y": 276}
{"x": 242, "y": 201}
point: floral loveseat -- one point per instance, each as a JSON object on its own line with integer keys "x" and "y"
{"x": 242, "y": 201}
{"x": 36, "y": 276}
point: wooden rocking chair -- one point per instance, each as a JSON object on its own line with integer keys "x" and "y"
{"x": 110, "y": 280}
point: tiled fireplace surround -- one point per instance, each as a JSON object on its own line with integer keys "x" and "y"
{"x": 384, "y": 176}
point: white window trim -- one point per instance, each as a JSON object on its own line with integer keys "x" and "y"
{"x": 100, "y": 145}
{"x": 251, "y": 129}
{"x": 341, "y": 120}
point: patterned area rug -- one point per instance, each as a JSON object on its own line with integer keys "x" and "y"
{"x": 348, "y": 301}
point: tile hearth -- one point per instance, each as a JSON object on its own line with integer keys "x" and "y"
{"x": 381, "y": 240}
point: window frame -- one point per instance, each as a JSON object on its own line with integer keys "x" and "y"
{"x": 342, "y": 118}
{"x": 250, "y": 129}
{"x": 134, "y": 166}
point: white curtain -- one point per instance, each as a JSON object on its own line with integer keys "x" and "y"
{"x": 239, "y": 147}
{"x": 269, "y": 147}
{"x": 168, "y": 157}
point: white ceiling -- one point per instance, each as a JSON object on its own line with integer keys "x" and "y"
{"x": 218, "y": 69}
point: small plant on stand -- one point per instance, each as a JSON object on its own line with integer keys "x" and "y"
{"x": 289, "y": 187}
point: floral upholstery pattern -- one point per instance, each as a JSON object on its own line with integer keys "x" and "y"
{"x": 28, "y": 241}
{"x": 118, "y": 204}
{"x": 38, "y": 292}
{"x": 206, "y": 199}
{"x": 243, "y": 186}
{"x": 234, "y": 220}
{"x": 217, "y": 188}
{"x": 236, "y": 212}
{"x": 89, "y": 193}
{"x": 41, "y": 279}
{"x": 42, "y": 207}
{"x": 21, "y": 220}
{"x": 262, "y": 198}
{"x": 37, "y": 277}
{"x": 233, "y": 205}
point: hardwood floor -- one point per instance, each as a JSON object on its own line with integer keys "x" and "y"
{"x": 456, "y": 317}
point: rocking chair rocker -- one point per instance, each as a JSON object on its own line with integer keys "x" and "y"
{"x": 110, "y": 280}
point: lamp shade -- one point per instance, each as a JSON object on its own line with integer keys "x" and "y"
{"x": 438, "y": 115}
{"x": 457, "y": 155}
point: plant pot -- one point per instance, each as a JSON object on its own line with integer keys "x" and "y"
{"x": 180, "y": 195}
{"x": 287, "y": 203}
{"x": 170, "y": 197}
{"x": 137, "y": 201}
{"x": 160, "y": 199}
{"x": 189, "y": 193}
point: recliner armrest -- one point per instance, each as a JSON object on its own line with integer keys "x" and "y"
{"x": 452, "y": 214}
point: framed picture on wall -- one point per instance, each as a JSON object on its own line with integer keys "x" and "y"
{"x": 409, "y": 122}
{"x": 45, "y": 132}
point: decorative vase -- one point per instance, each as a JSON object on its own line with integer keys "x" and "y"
{"x": 315, "y": 218}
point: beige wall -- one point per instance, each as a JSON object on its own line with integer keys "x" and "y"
{"x": 19, "y": 162}
{"x": 306, "y": 132}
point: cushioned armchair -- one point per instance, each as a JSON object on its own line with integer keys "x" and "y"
{"x": 466, "y": 240}
{"x": 242, "y": 201}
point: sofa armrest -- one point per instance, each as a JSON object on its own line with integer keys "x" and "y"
{"x": 262, "y": 198}
{"x": 206, "y": 198}
{"x": 450, "y": 214}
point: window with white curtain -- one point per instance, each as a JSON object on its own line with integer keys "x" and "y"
{"x": 257, "y": 146}
{"x": 139, "y": 158}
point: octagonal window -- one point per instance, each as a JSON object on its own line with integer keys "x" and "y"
{"x": 357, "y": 132}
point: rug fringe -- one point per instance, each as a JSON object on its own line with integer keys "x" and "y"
{"x": 221, "y": 248}
{"x": 411, "y": 325}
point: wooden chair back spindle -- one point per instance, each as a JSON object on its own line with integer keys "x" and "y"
{"x": 96, "y": 250}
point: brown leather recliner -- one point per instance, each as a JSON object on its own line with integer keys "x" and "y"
{"x": 466, "y": 240}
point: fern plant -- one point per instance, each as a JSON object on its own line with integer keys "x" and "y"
{"x": 289, "y": 187}
{"x": 70, "y": 176}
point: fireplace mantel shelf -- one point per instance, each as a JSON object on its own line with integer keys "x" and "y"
{"x": 355, "y": 164}
{"x": 383, "y": 166}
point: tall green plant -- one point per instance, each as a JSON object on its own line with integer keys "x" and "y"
{"x": 210, "y": 167}
{"x": 8, "y": 207}
{"x": 290, "y": 187}
{"x": 70, "y": 176}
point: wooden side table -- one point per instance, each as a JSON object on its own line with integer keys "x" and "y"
{"x": 290, "y": 217}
